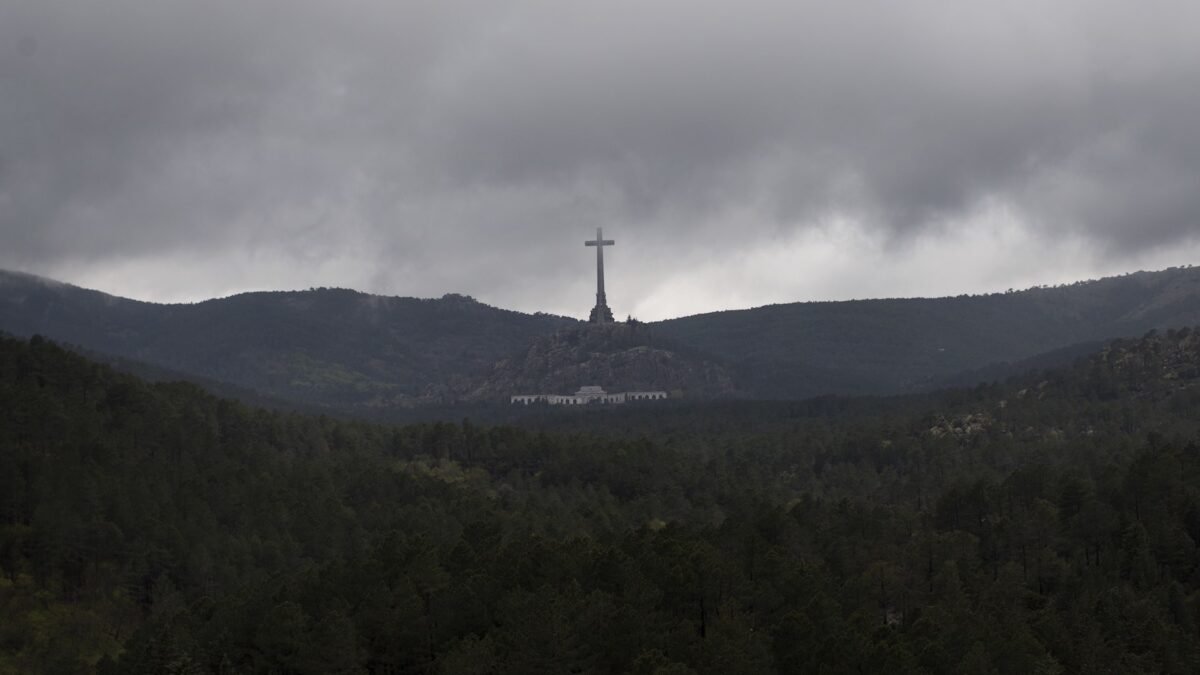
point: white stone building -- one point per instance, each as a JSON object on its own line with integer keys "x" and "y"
{"x": 588, "y": 395}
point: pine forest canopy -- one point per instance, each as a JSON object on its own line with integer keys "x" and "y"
{"x": 1044, "y": 525}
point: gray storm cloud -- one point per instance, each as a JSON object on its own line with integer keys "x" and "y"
{"x": 419, "y": 148}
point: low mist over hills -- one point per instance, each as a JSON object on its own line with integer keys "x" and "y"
{"x": 342, "y": 348}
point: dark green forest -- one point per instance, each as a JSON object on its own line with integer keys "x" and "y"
{"x": 326, "y": 346}
{"x": 1047, "y": 524}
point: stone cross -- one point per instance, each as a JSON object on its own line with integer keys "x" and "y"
{"x": 600, "y": 313}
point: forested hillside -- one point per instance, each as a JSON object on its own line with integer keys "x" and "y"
{"x": 325, "y": 346}
{"x": 1044, "y": 525}
{"x": 363, "y": 353}
{"x": 891, "y": 346}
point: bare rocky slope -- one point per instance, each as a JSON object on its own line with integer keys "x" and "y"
{"x": 618, "y": 357}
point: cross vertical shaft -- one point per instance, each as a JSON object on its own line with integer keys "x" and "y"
{"x": 600, "y": 313}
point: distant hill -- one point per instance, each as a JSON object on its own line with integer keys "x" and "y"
{"x": 342, "y": 348}
{"x": 325, "y": 346}
{"x": 904, "y": 345}
{"x": 999, "y": 372}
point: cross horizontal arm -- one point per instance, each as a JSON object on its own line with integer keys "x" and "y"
{"x": 602, "y": 242}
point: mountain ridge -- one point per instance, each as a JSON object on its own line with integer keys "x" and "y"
{"x": 10, "y": 275}
{"x": 354, "y": 350}
{"x": 909, "y": 344}
{"x": 320, "y": 346}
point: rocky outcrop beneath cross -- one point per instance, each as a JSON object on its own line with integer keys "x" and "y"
{"x": 601, "y": 313}
{"x": 617, "y": 356}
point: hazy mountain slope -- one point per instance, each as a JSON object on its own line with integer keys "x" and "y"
{"x": 998, "y": 372}
{"x": 152, "y": 373}
{"x": 329, "y": 346}
{"x": 887, "y": 346}
{"x": 349, "y": 349}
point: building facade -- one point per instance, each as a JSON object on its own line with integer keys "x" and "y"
{"x": 588, "y": 395}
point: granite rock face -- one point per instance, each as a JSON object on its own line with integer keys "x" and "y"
{"x": 618, "y": 357}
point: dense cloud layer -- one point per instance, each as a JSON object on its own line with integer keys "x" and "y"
{"x": 740, "y": 153}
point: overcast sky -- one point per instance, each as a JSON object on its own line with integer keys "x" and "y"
{"x": 740, "y": 153}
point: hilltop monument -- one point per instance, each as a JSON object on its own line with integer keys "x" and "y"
{"x": 600, "y": 313}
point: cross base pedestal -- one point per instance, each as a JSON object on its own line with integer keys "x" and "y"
{"x": 601, "y": 314}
